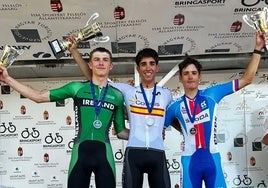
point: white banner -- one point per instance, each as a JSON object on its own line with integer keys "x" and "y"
{"x": 172, "y": 27}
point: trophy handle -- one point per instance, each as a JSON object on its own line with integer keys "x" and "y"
{"x": 265, "y": 9}
{"x": 101, "y": 39}
{"x": 248, "y": 21}
{"x": 93, "y": 17}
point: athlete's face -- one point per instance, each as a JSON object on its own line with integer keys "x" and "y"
{"x": 100, "y": 64}
{"x": 147, "y": 70}
{"x": 190, "y": 77}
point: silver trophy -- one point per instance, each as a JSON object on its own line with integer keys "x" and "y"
{"x": 259, "y": 22}
{"x": 9, "y": 56}
{"x": 90, "y": 32}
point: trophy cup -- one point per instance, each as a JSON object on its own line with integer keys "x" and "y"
{"x": 9, "y": 56}
{"x": 258, "y": 21}
{"x": 90, "y": 32}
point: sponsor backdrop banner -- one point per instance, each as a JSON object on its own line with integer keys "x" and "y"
{"x": 172, "y": 27}
{"x": 36, "y": 139}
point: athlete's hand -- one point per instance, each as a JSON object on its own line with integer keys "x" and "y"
{"x": 260, "y": 40}
{"x": 73, "y": 46}
{"x": 113, "y": 131}
{"x": 3, "y": 73}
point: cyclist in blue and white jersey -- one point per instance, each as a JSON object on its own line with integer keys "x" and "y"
{"x": 196, "y": 113}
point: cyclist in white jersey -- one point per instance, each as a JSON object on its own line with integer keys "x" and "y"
{"x": 148, "y": 136}
{"x": 146, "y": 105}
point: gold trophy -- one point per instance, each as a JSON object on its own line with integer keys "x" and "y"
{"x": 90, "y": 32}
{"x": 259, "y": 22}
{"x": 9, "y": 56}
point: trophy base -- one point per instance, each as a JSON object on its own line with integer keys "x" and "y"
{"x": 56, "y": 48}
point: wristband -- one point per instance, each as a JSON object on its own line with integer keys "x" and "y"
{"x": 257, "y": 52}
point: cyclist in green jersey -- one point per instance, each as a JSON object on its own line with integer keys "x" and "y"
{"x": 96, "y": 106}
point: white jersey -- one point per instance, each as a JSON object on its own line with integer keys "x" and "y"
{"x": 145, "y": 128}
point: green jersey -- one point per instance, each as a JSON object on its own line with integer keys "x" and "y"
{"x": 88, "y": 125}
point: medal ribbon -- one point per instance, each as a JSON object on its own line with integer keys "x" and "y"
{"x": 98, "y": 103}
{"x": 199, "y": 136}
{"x": 150, "y": 108}
{"x": 191, "y": 117}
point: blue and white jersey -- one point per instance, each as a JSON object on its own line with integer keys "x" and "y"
{"x": 198, "y": 116}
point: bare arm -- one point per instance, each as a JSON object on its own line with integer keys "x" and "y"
{"x": 252, "y": 67}
{"x": 78, "y": 58}
{"x": 24, "y": 90}
{"x": 123, "y": 134}
{"x": 176, "y": 124}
